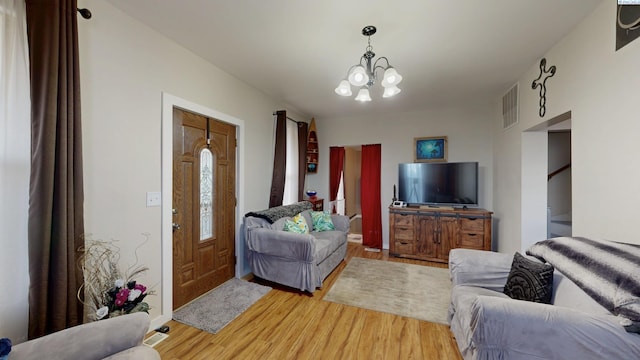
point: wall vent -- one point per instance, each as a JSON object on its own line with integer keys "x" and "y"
{"x": 154, "y": 339}
{"x": 510, "y": 107}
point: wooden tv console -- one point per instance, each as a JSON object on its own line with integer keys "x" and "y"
{"x": 427, "y": 233}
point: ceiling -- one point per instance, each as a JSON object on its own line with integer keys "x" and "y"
{"x": 296, "y": 51}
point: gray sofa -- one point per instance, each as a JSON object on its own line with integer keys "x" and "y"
{"x": 116, "y": 338}
{"x": 487, "y": 324}
{"x": 300, "y": 261}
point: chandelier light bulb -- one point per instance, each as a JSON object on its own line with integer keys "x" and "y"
{"x": 358, "y": 76}
{"x": 363, "y": 95}
{"x": 343, "y": 89}
{"x": 390, "y": 91}
{"x": 391, "y": 77}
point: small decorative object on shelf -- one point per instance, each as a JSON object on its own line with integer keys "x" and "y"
{"x": 5, "y": 348}
{"x": 311, "y": 193}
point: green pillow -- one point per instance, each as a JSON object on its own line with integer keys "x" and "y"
{"x": 297, "y": 225}
{"x": 322, "y": 221}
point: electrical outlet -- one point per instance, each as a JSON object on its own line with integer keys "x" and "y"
{"x": 154, "y": 198}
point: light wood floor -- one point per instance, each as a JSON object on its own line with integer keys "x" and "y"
{"x": 286, "y": 324}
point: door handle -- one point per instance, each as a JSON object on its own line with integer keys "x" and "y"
{"x": 175, "y": 226}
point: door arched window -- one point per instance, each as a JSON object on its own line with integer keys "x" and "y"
{"x": 206, "y": 194}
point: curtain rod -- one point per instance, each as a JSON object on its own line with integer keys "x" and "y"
{"x": 288, "y": 118}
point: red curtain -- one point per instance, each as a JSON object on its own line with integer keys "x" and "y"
{"x": 336, "y": 166}
{"x": 370, "y": 196}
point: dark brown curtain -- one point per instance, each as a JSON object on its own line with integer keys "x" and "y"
{"x": 336, "y": 167}
{"x": 56, "y": 224}
{"x": 302, "y": 157}
{"x": 370, "y": 196}
{"x": 279, "y": 160}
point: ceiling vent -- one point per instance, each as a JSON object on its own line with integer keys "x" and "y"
{"x": 510, "y": 107}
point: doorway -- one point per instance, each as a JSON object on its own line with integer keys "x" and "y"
{"x": 536, "y": 169}
{"x": 203, "y": 204}
{"x": 368, "y": 181}
{"x": 351, "y": 186}
{"x": 559, "y": 184}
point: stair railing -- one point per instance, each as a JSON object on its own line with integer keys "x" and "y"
{"x": 565, "y": 167}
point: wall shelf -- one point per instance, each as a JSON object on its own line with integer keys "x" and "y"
{"x": 312, "y": 149}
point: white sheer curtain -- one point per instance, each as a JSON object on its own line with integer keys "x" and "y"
{"x": 340, "y": 201}
{"x": 292, "y": 169}
{"x": 15, "y": 140}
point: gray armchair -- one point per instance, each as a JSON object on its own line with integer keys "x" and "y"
{"x": 117, "y": 338}
{"x": 488, "y": 324}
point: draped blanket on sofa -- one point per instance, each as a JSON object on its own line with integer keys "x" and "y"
{"x": 278, "y": 212}
{"x": 608, "y": 271}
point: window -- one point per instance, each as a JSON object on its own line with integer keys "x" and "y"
{"x": 206, "y": 194}
{"x": 291, "y": 169}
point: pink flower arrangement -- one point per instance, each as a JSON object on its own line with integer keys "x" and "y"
{"x": 121, "y": 297}
{"x": 106, "y": 290}
{"x": 124, "y": 299}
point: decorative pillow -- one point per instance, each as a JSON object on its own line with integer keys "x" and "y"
{"x": 529, "y": 280}
{"x": 297, "y": 225}
{"x": 322, "y": 221}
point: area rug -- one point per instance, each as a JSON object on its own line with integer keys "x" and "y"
{"x": 415, "y": 291}
{"x": 217, "y": 308}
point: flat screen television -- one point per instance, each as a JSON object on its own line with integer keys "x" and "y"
{"x": 448, "y": 184}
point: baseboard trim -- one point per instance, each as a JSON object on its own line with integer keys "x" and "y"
{"x": 248, "y": 277}
{"x": 159, "y": 321}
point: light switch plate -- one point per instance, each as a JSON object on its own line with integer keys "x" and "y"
{"x": 154, "y": 198}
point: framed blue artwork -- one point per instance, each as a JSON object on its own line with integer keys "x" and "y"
{"x": 431, "y": 149}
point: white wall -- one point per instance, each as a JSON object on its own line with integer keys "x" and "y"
{"x": 125, "y": 68}
{"x": 599, "y": 86}
{"x": 469, "y": 132}
{"x": 534, "y": 185}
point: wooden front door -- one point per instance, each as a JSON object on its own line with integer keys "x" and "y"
{"x": 204, "y": 200}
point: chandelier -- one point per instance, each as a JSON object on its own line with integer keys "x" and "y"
{"x": 364, "y": 74}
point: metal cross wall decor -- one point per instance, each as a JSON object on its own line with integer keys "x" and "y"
{"x": 544, "y": 75}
